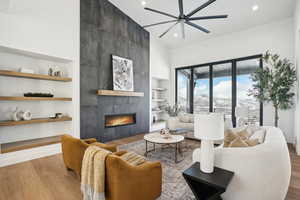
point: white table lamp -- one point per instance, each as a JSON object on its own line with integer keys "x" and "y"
{"x": 208, "y": 127}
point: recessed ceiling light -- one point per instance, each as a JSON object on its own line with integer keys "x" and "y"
{"x": 143, "y": 3}
{"x": 175, "y": 34}
{"x": 255, "y": 7}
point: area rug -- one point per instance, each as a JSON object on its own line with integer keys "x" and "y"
{"x": 174, "y": 186}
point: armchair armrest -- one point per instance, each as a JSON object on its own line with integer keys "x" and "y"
{"x": 109, "y": 147}
{"x": 120, "y": 153}
{"x": 123, "y": 179}
{"x": 90, "y": 140}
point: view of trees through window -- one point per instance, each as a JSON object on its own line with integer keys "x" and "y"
{"x": 219, "y": 88}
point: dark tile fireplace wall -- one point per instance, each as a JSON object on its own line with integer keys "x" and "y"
{"x": 107, "y": 31}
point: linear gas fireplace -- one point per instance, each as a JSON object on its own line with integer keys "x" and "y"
{"x": 119, "y": 120}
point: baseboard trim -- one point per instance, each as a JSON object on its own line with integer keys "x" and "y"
{"x": 29, "y": 154}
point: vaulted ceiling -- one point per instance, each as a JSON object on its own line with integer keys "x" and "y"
{"x": 241, "y": 16}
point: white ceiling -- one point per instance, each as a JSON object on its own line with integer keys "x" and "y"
{"x": 240, "y": 17}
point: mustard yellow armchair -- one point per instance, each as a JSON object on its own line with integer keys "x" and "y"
{"x": 127, "y": 182}
{"x": 73, "y": 151}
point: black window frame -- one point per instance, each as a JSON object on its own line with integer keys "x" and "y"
{"x": 234, "y": 83}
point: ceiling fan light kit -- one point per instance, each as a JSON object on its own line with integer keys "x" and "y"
{"x": 183, "y": 19}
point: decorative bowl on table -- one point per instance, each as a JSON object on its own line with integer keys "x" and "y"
{"x": 165, "y": 133}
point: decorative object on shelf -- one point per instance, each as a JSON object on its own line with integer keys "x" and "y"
{"x": 165, "y": 133}
{"x": 19, "y": 115}
{"x": 55, "y": 71}
{"x": 274, "y": 83}
{"x": 26, "y": 115}
{"x": 15, "y": 115}
{"x": 58, "y": 73}
{"x": 26, "y": 70}
{"x": 183, "y": 19}
{"x": 122, "y": 74}
{"x": 50, "y": 72}
{"x": 174, "y": 110}
{"x": 30, "y": 94}
{"x": 208, "y": 128}
{"x": 154, "y": 119}
{"x": 58, "y": 115}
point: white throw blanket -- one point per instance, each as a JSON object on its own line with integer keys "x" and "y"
{"x": 93, "y": 173}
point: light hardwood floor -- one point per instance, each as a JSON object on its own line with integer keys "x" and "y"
{"x": 47, "y": 179}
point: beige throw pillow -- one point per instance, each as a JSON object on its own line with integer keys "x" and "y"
{"x": 133, "y": 158}
{"x": 230, "y": 136}
{"x": 252, "y": 142}
{"x": 238, "y": 142}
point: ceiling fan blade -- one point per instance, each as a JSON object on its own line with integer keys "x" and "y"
{"x": 197, "y": 27}
{"x": 207, "y": 17}
{"x": 182, "y": 29}
{"x": 162, "y": 13}
{"x": 180, "y": 7}
{"x": 200, "y": 8}
{"x": 160, "y": 23}
{"x": 168, "y": 29}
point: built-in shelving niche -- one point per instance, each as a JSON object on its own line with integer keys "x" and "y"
{"x": 41, "y": 130}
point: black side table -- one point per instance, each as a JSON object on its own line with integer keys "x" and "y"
{"x": 207, "y": 186}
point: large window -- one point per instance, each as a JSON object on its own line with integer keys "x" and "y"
{"x": 219, "y": 87}
{"x": 184, "y": 88}
{"x": 201, "y": 89}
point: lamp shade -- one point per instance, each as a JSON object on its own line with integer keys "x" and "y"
{"x": 209, "y": 126}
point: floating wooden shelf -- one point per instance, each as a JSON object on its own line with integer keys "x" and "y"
{"x": 34, "y": 99}
{"x": 33, "y": 76}
{"x": 34, "y": 121}
{"x": 159, "y": 100}
{"x": 119, "y": 93}
{"x": 160, "y": 89}
{"x": 27, "y": 144}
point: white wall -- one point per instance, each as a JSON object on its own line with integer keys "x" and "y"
{"x": 297, "y": 61}
{"x": 159, "y": 69}
{"x": 45, "y": 27}
{"x": 159, "y": 60}
{"x": 277, "y": 37}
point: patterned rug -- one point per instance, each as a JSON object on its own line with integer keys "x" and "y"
{"x": 174, "y": 186}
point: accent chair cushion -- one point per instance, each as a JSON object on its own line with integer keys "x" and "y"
{"x": 133, "y": 158}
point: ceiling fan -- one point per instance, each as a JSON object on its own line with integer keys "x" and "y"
{"x": 183, "y": 19}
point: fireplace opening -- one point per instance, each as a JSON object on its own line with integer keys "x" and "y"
{"x": 119, "y": 120}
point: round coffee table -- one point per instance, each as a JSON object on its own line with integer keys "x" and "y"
{"x": 157, "y": 138}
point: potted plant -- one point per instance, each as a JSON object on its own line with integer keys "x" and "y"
{"x": 274, "y": 83}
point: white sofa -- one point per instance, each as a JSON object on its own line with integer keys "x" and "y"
{"x": 261, "y": 172}
{"x": 174, "y": 123}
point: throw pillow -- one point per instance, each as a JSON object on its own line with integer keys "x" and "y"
{"x": 183, "y": 118}
{"x": 252, "y": 142}
{"x": 260, "y": 135}
{"x": 133, "y": 158}
{"x": 238, "y": 142}
{"x": 230, "y": 136}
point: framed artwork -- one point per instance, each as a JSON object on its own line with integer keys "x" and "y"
{"x": 122, "y": 74}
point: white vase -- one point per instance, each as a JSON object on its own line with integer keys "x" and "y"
{"x": 26, "y": 115}
{"x": 15, "y": 115}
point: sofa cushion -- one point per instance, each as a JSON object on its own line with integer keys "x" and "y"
{"x": 230, "y": 136}
{"x": 252, "y": 142}
{"x": 238, "y": 142}
{"x": 186, "y": 118}
{"x": 260, "y": 135}
{"x": 133, "y": 158}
